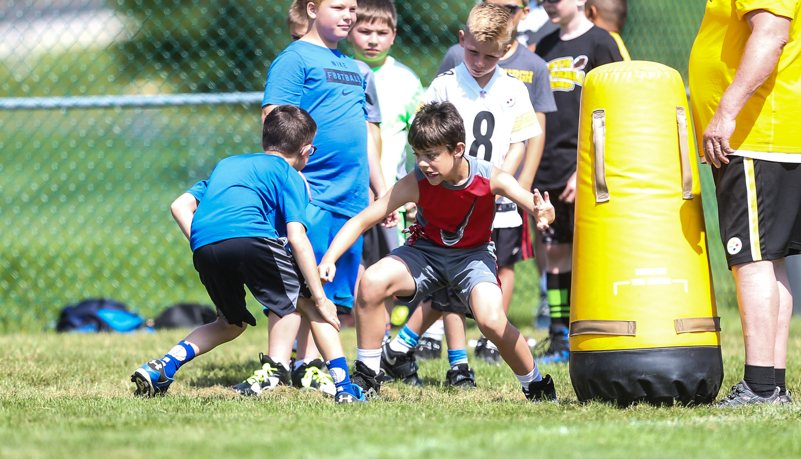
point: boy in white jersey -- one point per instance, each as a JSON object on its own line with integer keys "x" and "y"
{"x": 498, "y": 118}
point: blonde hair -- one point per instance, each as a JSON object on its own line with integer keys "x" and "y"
{"x": 297, "y": 17}
{"x": 489, "y": 23}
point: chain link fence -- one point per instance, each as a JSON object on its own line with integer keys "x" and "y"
{"x": 86, "y": 183}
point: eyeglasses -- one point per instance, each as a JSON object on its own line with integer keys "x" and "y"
{"x": 310, "y": 148}
{"x": 552, "y": 2}
{"x": 513, "y": 9}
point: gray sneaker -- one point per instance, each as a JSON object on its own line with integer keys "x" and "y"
{"x": 742, "y": 395}
{"x": 785, "y": 399}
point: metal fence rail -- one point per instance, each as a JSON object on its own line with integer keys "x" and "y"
{"x": 109, "y": 109}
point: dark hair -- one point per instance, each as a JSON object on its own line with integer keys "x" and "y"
{"x": 435, "y": 124}
{"x": 370, "y": 11}
{"x": 286, "y": 129}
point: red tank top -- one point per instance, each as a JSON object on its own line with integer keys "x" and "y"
{"x": 456, "y": 216}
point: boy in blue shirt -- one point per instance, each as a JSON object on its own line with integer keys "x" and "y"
{"x": 238, "y": 223}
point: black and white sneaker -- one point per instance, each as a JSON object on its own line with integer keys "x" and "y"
{"x": 428, "y": 349}
{"x": 310, "y": 376}
{"x": 541, "y": 391}
{"x": 268, "y": 377}
{"x": 486, "y": 351}
{"x": 368, "y": 380}
{"x": 742, "y": 395}
{"x": 461, "y": 376}
{"x": 400, "y": 366}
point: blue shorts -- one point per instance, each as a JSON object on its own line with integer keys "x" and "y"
{"x": 323, "y": 227}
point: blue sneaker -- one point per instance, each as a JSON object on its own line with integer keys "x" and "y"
{"x": 150, "y": 379}
{"x": 343, "y": 397}
{"x": 557, "y": 351}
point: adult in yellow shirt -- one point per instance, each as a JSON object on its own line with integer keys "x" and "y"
{"x": 745, "y": 88}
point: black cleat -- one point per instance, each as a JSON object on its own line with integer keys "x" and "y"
{"x": 542, "y": 390}
{"x": 368, "y": 380}
{"x": 267, "y": 377}
{"x": 486, "y": 351}
{"x": 461, "y": 376}
{"x": 553, "y": 349}
{"x": 400, "y": 366}
{"x": 310, "y": 376}
{"x": 428, "y": 349}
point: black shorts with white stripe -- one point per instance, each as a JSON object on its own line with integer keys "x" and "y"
{"x": 265, "y": 265}
{"x": 759, "y": 209}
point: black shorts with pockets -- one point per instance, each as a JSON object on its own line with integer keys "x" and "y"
{"x": 265, "y": 265}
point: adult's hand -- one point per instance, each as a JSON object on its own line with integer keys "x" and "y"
{"x": 716, "y": 139}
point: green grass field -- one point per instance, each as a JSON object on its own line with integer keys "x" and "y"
{"x": 70, "y": 396}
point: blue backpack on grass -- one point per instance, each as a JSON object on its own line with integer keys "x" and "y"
{"x": 98, "y": 315}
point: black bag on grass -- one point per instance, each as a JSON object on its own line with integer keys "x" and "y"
{"x": 185, "y": 315}
{"x": 98, "y": 315}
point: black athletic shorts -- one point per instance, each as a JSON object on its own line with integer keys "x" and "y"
{"x": 561, "y": 230}
{"x": 446, "y": 300}
{"x": 378, "y": 243}
{"x": 508, "y": 245}
{"x": 759, "y": 209}
{"x": 265, "y": 265}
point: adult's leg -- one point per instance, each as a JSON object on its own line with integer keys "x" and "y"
{"x": 785, "y": 314}
{"x": 486, "y": 301}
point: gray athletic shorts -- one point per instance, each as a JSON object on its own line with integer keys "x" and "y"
{"x": 434, "y": 267}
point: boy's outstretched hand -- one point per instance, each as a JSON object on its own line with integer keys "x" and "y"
{"x": 329, "y": 312}
{"x": 545, "y": 211}
{"x": 327, "y": 272}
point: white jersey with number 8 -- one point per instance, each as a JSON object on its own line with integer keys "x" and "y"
{"x": 495, "y": 116}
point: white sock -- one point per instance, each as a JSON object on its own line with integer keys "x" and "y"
{"x": 278, "y": 362}
{"x": 399, "y": 344}
{"x": 436, "y": 331}
{"x": 298, "y": 363}
{"x": 534, "y": 376}
{"x": 370, "y": 357}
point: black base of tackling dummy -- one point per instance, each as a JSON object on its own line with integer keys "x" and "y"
{"x": 659, "y": 376}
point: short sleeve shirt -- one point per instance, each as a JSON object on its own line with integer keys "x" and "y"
{"x": 399, "y": 93}
{"x": 569, "y": 61}
{"x": 495, "y": 116}
{"x": 330, "y": 86}
{"x": 253, "y": 195}
{"x": 525, "y": 66}
{"x": 370, "y": 94}
{"x": 768, "y": 126}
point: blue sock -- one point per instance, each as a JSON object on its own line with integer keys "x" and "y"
{"x": 338, "y": 369}
{"x": 457, "y": 356}
{"x": 178, "y": 355}
{"x": 405, "y": 340}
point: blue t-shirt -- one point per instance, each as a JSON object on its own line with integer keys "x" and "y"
{"x": 329, "y": 86}
{"x": 248, "y": 196}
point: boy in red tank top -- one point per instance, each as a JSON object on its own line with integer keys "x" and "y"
{"x": 450, "y": 245}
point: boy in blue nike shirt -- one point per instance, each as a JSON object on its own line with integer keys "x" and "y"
{"x": 239, "y": 223}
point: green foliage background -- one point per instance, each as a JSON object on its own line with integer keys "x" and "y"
{"x": 85, "y": 193}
